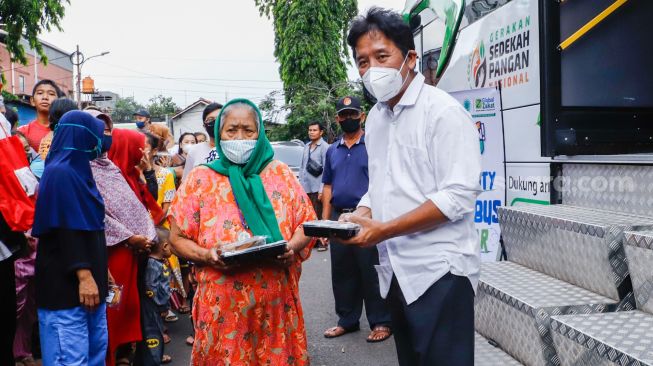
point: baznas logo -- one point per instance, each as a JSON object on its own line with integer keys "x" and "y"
{"x": 481, "y": 135}
{"x": 477, "y": 72}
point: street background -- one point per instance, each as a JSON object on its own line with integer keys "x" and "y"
{"x": 319, "y": 314}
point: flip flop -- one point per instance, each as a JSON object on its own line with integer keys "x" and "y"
{"x": 166, "y": 359}
{"x": 383, "y": 331}
{"x": 337, "y": 331}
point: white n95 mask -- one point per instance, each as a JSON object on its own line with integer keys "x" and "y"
{"x": 238, "y": 151}
{"x": 384, "y": 83}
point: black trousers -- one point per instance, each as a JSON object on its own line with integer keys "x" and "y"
{"x": 438, "y": 328}
{"x": 355, "y": 282}
{"x": 7, "y": 311}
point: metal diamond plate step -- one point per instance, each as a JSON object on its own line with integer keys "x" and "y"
{"x": 629, "y": 188}
{"x": 485, "y": 354}
{"x": 623, "y": 338}
{"x": 514, "y": 305}
{"x": 582, "y": 246}
{"x": 639, "y": 252}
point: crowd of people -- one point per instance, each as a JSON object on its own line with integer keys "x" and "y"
{"x": 105, "y": 231}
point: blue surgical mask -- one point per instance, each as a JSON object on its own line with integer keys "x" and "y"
{"x": 140, "y": 125}
{"x": 238, "y": 151}
{"x": 106, "y": 143}
{"x": 92, "y": 153}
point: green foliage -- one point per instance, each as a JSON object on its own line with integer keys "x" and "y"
{"x": 125, "y": 109}
{"x": 160, "y": 106}
{"x": 310, "y": 45}
{"x": 312, "y": 103}
{"x": 8, "y": 97}
{"x": 28, "y": 19}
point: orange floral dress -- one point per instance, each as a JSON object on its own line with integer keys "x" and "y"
{"x": 253, "y": 316}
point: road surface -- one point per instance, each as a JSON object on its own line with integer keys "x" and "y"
{"x": 319, "y": 314}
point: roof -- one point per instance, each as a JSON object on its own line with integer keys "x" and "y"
{"x": 44, "y": 43}
{"x": 203, "y": 102}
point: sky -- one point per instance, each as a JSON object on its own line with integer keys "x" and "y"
{"x": 188, "y": 49}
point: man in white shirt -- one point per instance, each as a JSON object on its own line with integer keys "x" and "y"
{"x": 204, "y": 153}
{"x": 424, "y": 169}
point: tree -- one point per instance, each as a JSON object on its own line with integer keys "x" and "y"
{"x": 160, "y": 106}
{"x": 125, "y": 109}
{"x": 310, "y": 45}
{"x": 28, "y": 19}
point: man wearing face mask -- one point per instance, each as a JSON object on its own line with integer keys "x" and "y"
{"x": 424, "y": 179}
{"x": 204, "y": 153}
{"x": 143, "y": 120}
{"x": 354, "y": 279}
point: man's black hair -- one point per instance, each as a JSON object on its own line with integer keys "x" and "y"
{"x": 11, "y": 116}
{"x": 319, "y": 124}
{"x": 48, "y": 82}
{"x": 385, "y": 21}
{"x": 210, "y": 109}
{"x": 58, "y": 108}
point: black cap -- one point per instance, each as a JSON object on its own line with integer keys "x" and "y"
{"x": 346, "y": 103}
{"x": 142, "y": 113}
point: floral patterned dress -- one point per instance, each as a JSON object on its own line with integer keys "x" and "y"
{"x": 252, "y": 316}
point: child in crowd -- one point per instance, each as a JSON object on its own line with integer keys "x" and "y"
{"x": 44, "y": 93}
{"x": 154, "y": 302}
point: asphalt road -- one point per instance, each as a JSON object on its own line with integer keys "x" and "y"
{"x": 319, "y": 314}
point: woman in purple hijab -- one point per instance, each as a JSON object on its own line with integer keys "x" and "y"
{"x": 128, "y": 227}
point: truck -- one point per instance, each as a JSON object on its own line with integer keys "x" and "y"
{"x": 562, "y": 95}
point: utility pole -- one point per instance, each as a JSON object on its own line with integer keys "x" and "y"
{"x": 79, "y": 78}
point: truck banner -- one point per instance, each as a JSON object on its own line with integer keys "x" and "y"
{"x": 485, "y": 108}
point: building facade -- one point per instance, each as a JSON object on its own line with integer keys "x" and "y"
{"x": 20, "y": 79}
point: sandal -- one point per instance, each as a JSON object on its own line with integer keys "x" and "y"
{"x": 379, "y": 334}
{"x": 166, "y": 339}
{"x": 337, "y": 331}
{"x": 184, "y": 309}
{"x": 166, "y": 359}
{"x": 190, "y": 340}
{"x": 123, "y": 362}
{"x": 26, "y": 361}
{"x": 171, "y": 317}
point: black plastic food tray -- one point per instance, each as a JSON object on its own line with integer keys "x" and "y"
{"x": 326, "y": 229}
{"x": 256, "y": 253}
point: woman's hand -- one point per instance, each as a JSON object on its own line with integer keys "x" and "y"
{"x": 145, "y": 165}
{"x": 286, "y": 259}
{"x": 140, "y": 243}
{"x": 89, "y": 295}
{"x": 165, "y": 161}
{"x": 212, "y": 258}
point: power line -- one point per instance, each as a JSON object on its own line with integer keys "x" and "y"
{"x": 188, "y": 78}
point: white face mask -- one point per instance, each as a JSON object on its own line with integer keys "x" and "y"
{"x": 238, "y": 151}
{"x": 384, "y": 82}
{"x": 186, "y": 147}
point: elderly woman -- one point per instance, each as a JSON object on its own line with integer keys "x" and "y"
{"x": 249, "y": 314}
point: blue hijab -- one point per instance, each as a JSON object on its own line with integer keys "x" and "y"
{"x": 68, "y": 197}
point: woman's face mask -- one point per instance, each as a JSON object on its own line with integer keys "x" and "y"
{"x": 238, "y": 151}
{"x": 92, "y": 153}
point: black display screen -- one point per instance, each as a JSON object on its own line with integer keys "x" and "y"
{"x": 612, "y": 64}
{"x": 596, "y": 93}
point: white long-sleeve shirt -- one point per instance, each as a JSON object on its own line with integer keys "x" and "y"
{"x": 426, "y": 148}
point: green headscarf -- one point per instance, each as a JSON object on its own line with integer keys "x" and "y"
{"x": 245, "y": 181}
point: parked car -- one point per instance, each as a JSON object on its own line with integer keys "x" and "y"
{"x": 289, "y": 152}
